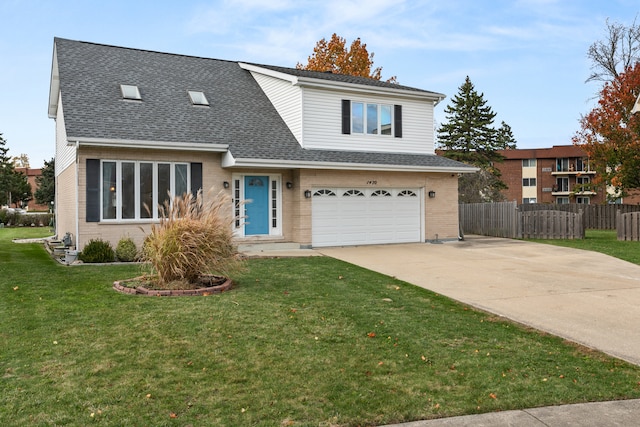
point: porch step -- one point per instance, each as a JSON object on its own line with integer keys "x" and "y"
{"x": 268, "y": 247}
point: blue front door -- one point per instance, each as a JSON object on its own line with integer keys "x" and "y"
{"x": 256, "y": 192}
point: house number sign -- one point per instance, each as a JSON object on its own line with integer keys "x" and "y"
{"x": 372, "y": 182}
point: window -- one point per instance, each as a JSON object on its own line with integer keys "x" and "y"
{"x": 130, "y": 190}
{"x": 562, "y": 184}
{"x": 562, "y": 165}
{"x": 130, "y": 92}
{"x": 366, "y": 118}
{"x": 582, "y": 180}
{"x": 407, "y": 193}
{"x": 373, "y": 119}
{"x": 356, "y": 193}
{"x": 529, "y": 163}
{"x": 562, "y": 200}
{"x": 582, "y": 200}
{"x": 383, "y": 193}
{"x": 528, "y": 200}
{"x": 528, "y": 182}
{"x": 582, "y": 165}
{"x": 324, "y": 192}
{"x": 198, "y": 98}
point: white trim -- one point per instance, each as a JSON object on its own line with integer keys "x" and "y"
{"x": 336, "y": 85}
{"x": 229, "y": 161}
{"x": 273, "y": 231}
{"x": 160, "y": 145}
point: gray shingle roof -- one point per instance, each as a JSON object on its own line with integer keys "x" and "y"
{"x": 239, "y": 115}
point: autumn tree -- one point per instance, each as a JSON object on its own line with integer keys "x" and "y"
{"x": 469, "y": 137}
{"x": 334, "y": 56}
{"x": 46, "y": 192}
{"x": 610, "y": 133}
{"x": 619, "y": 51}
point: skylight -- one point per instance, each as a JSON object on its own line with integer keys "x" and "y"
{"x": 130, "y": 92}
{"x": 198, "y": 98}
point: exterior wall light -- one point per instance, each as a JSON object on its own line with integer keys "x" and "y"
{"x": 225, "y": 184}
{"x": 432, "y": 194}
{"x": 307, "y": 194}
{"x": 289, "y": 185}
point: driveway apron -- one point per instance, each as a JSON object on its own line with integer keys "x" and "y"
{"x": 586, "y": 297}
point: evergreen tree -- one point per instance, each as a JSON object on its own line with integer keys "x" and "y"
{"x": 469, "y": 137}
{"x": 46, "y": 192}
{"x": 20, "y": 189}
{"x": 7, "y": 172}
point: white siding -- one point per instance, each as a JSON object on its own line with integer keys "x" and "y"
{"x": 65, "y": 154}
{"x": 322, "y": 111}
{"x": 286, "y": 98}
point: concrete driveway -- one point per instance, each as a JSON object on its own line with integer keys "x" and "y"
{"x": 586, "y": 297}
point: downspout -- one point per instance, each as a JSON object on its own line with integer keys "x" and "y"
{"x": 77, "y": 195}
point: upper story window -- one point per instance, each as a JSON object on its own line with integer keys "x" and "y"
{"x": 198, "y": 98}
{"x": 562, "y": 165}
{"x": 528, "y": 182}
{"x": 582, "y": 165}
{"x": 130, "y": 92}
{"x": 367, "y": 118}
{"x": 528, "y": 163}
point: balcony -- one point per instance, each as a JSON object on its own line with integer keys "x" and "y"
{"x": 571, "y": 171}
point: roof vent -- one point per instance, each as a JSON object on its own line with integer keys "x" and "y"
{"x": 130, "y": 92}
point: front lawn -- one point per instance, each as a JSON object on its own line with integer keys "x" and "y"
{"x": 298, "y": 342}
{"x": 603, "y": 241}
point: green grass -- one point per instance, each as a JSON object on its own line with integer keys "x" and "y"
{"x": 300, "y": 342}
{"x": 603, "y": 241}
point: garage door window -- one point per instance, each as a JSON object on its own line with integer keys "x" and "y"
{"x": 357, "y": 193}
{"x": 407, "y": 193}
{"x": 383, "y": 193}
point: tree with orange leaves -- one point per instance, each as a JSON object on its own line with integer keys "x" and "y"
{"x": 610, "y": 133}
{"x": 334, "y": 56}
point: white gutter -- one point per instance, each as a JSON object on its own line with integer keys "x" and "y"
{"x": 229, "y": 161}
{"x": 159, "y": 145}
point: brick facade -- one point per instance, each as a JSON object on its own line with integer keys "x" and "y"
{"x": 559, "y": 172}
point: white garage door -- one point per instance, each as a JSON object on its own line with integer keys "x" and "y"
{"x": 358, "y": 216}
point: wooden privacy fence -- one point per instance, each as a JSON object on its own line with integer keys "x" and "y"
{"x": 489, "y": 219}
{"x": 551, "y": 225}
{"x": 505, "y": 219}
{"x": 599, "y": 217}
{"x": 629, "y": 226}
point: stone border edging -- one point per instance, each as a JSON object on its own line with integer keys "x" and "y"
{"x": 141, "y": 290}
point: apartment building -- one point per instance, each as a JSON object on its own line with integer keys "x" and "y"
{"x": 559, "y": 174}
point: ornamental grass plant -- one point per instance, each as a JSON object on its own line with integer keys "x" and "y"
{"x": 193, "y": 239}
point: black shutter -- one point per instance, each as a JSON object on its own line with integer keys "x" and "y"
{"x": 196, "y": 178}
{"x": 397, "y": 120}
{"x": 346, "y": 116}
{"x": 93, "y": 190}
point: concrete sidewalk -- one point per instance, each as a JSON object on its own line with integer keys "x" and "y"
{"x": 623, "y": 413}
{"x": 586, "y": 297}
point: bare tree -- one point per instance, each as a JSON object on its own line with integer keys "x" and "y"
{"x": 620, "y": 50}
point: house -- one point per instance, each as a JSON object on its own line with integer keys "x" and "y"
{"x": 559, "y": 174}
{"x": 324, "y": 159}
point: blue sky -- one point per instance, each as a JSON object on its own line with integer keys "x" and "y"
{"x": 528, "y": 57}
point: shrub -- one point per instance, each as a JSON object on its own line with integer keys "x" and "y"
{"x": 97, "y": 250}
{"x": 126, "y": 250}
{"x": 194, "y": 238}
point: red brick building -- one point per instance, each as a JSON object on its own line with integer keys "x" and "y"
{"x": 559, "y": 174}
